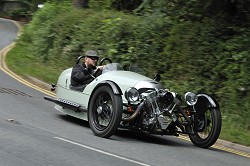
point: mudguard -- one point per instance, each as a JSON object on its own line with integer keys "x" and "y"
{"x": 204, "y": 102}
{"x": 115, "y": 88}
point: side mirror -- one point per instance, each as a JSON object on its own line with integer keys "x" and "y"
{"x": 157, "y": 77}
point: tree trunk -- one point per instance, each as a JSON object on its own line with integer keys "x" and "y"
{"x": 80, "y": 3}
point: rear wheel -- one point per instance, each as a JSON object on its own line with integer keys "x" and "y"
{"x": 207, "y": 128}
{"x": 105, "y": 112}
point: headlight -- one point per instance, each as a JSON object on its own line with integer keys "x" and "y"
{"x": 190, "y": 98}
{"x": 132, "y": 94}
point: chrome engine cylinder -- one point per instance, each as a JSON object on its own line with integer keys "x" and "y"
{"x": 156, "y": 115}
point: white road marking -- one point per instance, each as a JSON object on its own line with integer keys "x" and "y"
{"x": 101, "y": 151}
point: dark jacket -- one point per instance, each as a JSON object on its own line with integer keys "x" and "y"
{"x": 78, "y": 76}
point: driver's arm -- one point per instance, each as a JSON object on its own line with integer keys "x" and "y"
{"x": 100, "y": 67}
{"x": 98, "y": 71}
{"x": 79, "y": 76}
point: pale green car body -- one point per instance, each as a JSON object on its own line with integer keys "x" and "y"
{"x": 123, "y": 80}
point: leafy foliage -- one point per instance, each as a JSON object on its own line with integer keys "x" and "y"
{"x": 127, "y": 5}
{"x": 26, "y": 9}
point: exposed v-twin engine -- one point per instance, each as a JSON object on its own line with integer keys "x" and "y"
{"x": 158, "y": 113}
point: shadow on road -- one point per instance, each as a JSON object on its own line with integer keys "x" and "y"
{"x": 128, "y": 135}
{"x": 74, "y": 120}
{"x": 149, "y": 138}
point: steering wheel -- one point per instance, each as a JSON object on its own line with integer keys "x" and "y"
{"x": 105, "y": 59}
{"x": 101, "y": 63}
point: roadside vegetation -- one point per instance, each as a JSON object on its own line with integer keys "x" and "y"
{"x": 200, "y": 46}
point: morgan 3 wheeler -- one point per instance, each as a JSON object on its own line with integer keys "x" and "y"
{"x": 125, "y": 99}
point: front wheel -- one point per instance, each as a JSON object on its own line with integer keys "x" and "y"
{"x": 105, "y": 112}
{"x": 207, "y": 128}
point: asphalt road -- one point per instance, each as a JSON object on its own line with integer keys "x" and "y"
{"x": 33, "y": 133}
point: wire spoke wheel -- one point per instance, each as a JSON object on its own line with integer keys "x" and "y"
{"x": 105, "y": 112}
{"x": 207, "y": 128}
{"x": 204, "y": 125}
{"x": 102, "y": 111}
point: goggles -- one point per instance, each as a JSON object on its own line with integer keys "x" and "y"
{"x": 94, "y": 58}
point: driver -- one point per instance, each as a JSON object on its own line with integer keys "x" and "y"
{"x": 82, "y": 73}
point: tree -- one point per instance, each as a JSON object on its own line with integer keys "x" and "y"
{"x": 128, "y": 5}
{"x": 80, "y": 3}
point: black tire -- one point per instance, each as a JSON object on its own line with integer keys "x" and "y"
{"x": 105, "y": 112}
{"x": 209, "y": 126}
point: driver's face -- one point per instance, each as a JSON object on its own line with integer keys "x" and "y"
{"x": 91, "y": 61}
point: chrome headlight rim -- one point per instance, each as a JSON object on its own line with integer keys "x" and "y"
{"x": 132, "y": 95}
{"x": 190, "y": 98}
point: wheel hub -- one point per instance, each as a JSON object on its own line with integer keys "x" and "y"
{"x": 99, "y": 110}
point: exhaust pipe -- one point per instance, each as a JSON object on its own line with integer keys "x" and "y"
{"x": 135, "y": 114}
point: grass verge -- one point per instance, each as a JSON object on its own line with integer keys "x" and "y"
{"x": 235, "y": 132}
{"x": 19, "y": 61}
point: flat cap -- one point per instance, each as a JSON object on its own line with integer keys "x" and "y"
{"x": 91, "y": 53}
